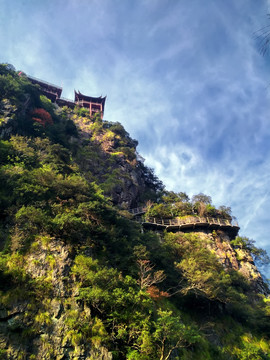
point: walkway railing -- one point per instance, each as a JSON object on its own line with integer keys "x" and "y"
{"x": 138, "y": 210}
{"x": 187, "y": 222}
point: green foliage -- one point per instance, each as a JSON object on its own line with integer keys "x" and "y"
{"x": 172, "y": 334}
{"x": 171, "y": 197}
{"x": 247, "y": 244}
{"x": 30, "y": 221}
{"x": 82, "y": 112}
{"x": 118, "y": 129}
{"x": 96, "y": 128}
{"x": 47, "y": 104}
{"x": 111, "y": 295}
{"x": 174, "y": 205}
{"x": 160, "y": 211}
{"x": 203, "y": 275}
{"x": 111, "y": 180}
{"x": 245, "y": 346}
{"x": 15, "y": 87}
{"x": 6, "y": 151}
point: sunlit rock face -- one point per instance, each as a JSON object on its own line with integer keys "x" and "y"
{"x": 115, "y": 164}
{"x": 234, "y": 258}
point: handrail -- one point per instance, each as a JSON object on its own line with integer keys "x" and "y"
{"x": 138, "y": 210}
{"x": 81, "y": 102}
{"x": 192, "y": 221}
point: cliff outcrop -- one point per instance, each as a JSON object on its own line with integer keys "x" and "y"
{"x": 235, "y": 258}
{"x": 109, "y": 155}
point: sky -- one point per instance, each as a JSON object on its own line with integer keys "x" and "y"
{"x": 185, "y": 77}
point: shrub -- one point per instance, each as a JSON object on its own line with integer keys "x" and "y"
{"x": 42, "y": 117}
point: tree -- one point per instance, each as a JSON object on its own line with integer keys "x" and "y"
{"x": 160, "y": 211}
{"x": 172, "y": 334}
{"x": 202, "y": 205}
{"x": 225, "y": 212}
{"x": 148, "y": 277}
{"x": 202, "y": 198}
{"x": 170, "y": 197}
{"x": 183, "y": 197}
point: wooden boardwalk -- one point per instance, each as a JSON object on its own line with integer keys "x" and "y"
{"x": 187, "y": 223}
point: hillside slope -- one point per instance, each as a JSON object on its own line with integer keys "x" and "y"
{"x": 81, "y": 277}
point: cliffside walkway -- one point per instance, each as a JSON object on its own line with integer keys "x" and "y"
{"x": 190, "y": 222}
{"x": 138, "y": 210}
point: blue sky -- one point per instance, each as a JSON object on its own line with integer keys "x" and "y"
{"x": 185, "y": 78}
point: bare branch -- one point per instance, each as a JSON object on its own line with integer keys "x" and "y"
{"x": 147, "y": 277}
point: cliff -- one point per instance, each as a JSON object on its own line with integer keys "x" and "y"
{"x": 83, "y": 277}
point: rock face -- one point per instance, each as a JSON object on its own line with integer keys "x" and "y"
{"x": 109, "y": 156}
{"x": 53, "y": 337}
{"x": 235, "y": 258}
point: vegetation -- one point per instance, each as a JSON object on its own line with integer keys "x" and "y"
{"x": 258, "y": 254}
{"x": 78, "y": 279}
{"x": 172, "y": 205}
